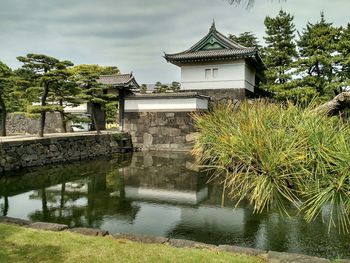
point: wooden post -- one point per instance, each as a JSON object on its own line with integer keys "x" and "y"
{"x": 121, "y": 108}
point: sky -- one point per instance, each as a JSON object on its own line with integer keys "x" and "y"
{"x": 134, "y": 34}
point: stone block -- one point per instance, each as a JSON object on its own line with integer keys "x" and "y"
{"x": 179, "y": 139}
{"x": 188, "y": 243}
{"x": 282, "y": 257}
{"x": 48, "y": 226}
{"x": 147, "y": 139}
{"x": 154, "y": 130}
{"x": 89, "y": 231}
{"x": 170, "y": 131}
{"x": 142, "y": 238}
{"x": 14, "y": 221}
{"x": 169, "y": 114}
{"x": 53, "y": 148}
{"x": 242, "y": 250}
{"x": 192, "y": 137}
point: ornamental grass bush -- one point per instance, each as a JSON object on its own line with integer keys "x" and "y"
{"x": 277, "y": 155}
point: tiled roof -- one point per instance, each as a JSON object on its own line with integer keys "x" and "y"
{"x": 167, "y": 95}
{"x": 225, "y": 49}
{"x": 119, "y": 79}
{"x": 218, "y": 53}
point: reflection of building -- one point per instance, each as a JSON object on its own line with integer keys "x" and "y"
{"x": 165, "y": 195}
{"x": 169, "y": 178}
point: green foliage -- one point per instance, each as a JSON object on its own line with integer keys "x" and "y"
{"x": 50, "y": 79}
{"x": 143, "y": 89}
{"x": 175, "y": 86}
{"x": 160, "y": 88}
{"x": 111, "y": 110}
{"x": 247, "y": 39}
{"x": 92, "y": 91}
{"x": 6, "y": 85}
{"x": 279, "y": 54}
{"x": 344, "y": 55}
{"x": 317, "y": 64}
{"x": 118, "y": 136}
{"x": 276, "y": 156}
{"x": 47, "y": 108}
{"x": 6, "y": 94}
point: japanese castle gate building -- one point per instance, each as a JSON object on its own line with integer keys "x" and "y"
{"x": 215, "y": 68}
{"x": 218, "y": 67}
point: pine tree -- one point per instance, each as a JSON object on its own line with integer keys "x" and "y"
{"x": 91, "y": 90}
{"x": 344, "y": 57}
{"x": 64, "y": 92}
{"x": 175, "y": 86}
{"x": 143, "y": 89}
{"x": 280, "y": 52}
{"x": 247, "y": 39}
{"x": 43, "y": 71}
{"x": 160, "y": 88}
{"x": 6, "y": 88}
{"x": 317, "y": 64}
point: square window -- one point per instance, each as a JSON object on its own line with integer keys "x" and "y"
{"x": 207, "y": 73}
{"x": 215, "y": 73}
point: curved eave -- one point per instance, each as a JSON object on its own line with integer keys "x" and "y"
{"x": 180, "y": 61}
{"x": 131, "y": 84}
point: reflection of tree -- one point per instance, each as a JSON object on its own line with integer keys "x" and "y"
{"x": 62, "y": 205}
{"x": 4, "y": 208}
{"x": 42, "y": 177}
{"x": 252, "y": 224}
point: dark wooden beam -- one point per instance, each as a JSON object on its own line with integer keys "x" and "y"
{"x": 121, "y": 108}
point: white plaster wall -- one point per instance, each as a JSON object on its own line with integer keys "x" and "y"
{"x": 230, "y": 76}
{"x": 165, "y": 104}
{"x": 82, "y": 108}
{"x": 249, "y": 77}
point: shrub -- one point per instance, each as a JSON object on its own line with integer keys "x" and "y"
{"x": 277, "y": 155}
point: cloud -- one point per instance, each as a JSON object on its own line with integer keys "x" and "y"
{"x": 133, "y": 34}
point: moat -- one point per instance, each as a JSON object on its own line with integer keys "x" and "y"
{"x": 161, "y": 194}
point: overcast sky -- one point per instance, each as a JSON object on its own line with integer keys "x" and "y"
{"x": 133, "y": 34}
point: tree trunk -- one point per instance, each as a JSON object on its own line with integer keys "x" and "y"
{"x": 43, "y": 112}
{"x": 334, "y": 106}
{"x": 3, "y": 117}
{"x": 94, "y": 118}
{"x": 63, "y": 119}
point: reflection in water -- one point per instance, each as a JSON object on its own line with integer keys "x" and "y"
{"x": 157, "y": 194}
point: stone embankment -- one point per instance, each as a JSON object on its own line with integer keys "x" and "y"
{"x": 21, "y": 152}
{"x": 170, "y": 131}
{"x": 20, "y": 123}
{"x": 267, "y": 256}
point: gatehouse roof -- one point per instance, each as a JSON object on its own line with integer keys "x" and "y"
{"x": 119, "y": 80}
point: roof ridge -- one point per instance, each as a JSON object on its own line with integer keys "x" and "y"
{"x": 113, "y": 75}
{"x": 230, "y": 44}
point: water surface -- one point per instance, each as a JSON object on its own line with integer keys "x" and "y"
{"x": 160, "y": 194}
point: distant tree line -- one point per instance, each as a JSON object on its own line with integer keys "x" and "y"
{"x": 302, "y": 65}
{"x": 161, "y": 88}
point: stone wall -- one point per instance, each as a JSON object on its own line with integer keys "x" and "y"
{"x": 19, "y": 123}
{"x": 161, "y": 130}
{"x": 16, "y": 154}
{"x": 223, "y": 95}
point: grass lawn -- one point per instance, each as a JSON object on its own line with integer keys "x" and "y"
{"x": 18, "y": 244}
